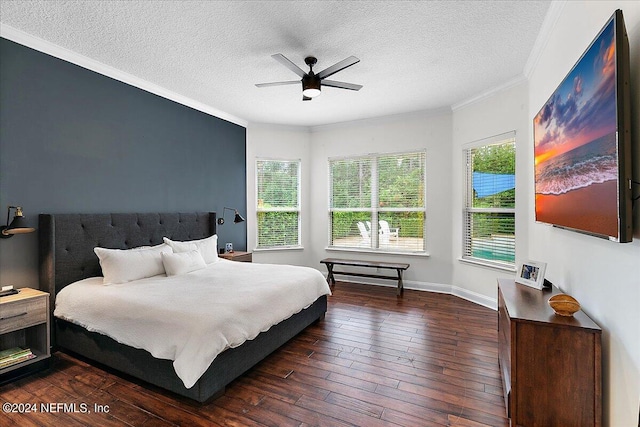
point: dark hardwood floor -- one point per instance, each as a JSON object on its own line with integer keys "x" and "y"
{"x": 425, "y": 359}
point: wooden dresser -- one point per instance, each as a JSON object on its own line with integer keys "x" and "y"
{"x": 551, "y": 365}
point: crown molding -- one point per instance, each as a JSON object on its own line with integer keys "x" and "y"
{"x": 435, "y": 112}
{"x": 276, "y": 126}
{"x": 549, "y": 23}
{"x": 10, "y": 33}
{"x": 490, "y": 92}
{"x": 550, "y": 20}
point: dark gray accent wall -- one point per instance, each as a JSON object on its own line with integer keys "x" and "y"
{"x": 72, "y": 140}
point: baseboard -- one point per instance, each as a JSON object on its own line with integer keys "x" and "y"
{"x": 441, "y": 288}
{"x": 475, "y": 297}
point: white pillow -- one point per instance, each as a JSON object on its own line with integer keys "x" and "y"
{"x": 208, "y": 247}
{"x": 120, "y": 266}
{"x": 182, "y": 262}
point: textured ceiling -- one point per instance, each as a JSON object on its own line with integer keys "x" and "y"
{"x": 413, "y": 55}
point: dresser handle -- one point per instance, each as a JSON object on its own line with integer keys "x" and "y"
{"x": 15, "y": 315}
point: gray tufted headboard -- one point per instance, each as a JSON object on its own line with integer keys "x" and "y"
{"x": 67, "y": 240}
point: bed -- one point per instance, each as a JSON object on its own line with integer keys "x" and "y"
{"x": 66, "y": 256}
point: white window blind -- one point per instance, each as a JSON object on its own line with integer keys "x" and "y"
{"x": 489, "y": 212}
{"x": 278, "y": 203}
{"x": 351, "y": 184}
{"x": 378, "y": 202}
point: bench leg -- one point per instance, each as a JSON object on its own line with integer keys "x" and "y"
{"x": 331, "y": 280}
{"x": 400, "y": 284}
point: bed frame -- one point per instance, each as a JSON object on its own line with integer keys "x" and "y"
{"x": 66, "y": 255}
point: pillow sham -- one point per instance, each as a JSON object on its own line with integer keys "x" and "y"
{"x": 208, "y": 247}
{"x": 177, "y": 263}
{"x": 125, "y": 265}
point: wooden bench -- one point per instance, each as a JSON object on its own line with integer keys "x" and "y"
{"x": 399, "y": 267}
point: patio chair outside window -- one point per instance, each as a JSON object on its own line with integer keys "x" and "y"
{"x": 374, "y": 187}
{"x": 366, "y": 236}
{"x": 386, "y": 231}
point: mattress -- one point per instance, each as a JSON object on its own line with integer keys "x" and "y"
{"x": 191, "y": 318}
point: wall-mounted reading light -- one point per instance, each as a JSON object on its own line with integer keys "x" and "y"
{"x": 17, "y": 226}
{"x": 238, "y": 218}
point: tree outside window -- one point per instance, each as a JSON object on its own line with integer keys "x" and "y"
{"x": 377, "y": 202}
{"x": 278, "y": 203}
{"x": 489, "y": 212}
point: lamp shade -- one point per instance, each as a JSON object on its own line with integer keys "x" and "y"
{"x": 238, "y": 218}
{"x": 17, "y": 226}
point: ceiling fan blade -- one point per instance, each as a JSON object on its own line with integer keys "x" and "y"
{"x": 287, "y": 63}
{"x": 338, "y": 67}
{"x": 306, "y": 98}
{"x": 290, "y": 82}
{"x": 341, "y": 85}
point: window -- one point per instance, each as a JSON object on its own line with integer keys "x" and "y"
{"x": 278, "y": 203}
{"x": 489, "y": 212}
{"x": 386, "y": 190}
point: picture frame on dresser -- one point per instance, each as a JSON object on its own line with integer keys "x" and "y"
{"x": 531, "y": 273}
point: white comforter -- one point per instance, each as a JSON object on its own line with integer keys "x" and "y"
{"x": 192, "y": 318}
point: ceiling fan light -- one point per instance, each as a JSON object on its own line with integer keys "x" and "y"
{"x": 311, "y": 92}
{"x": 310, "y": 85}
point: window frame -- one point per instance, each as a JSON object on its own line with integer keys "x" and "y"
{"x": 297, "y": 209}
{"x": 375, "y": 209}
{"x": 468, "y": 207}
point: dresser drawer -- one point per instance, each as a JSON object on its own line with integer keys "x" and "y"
{"x": 22, "y": 314}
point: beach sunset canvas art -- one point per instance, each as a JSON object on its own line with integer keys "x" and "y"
{"x": 576, "y": 145}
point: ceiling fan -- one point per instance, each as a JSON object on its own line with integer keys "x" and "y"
{"x": 311, "y": 82}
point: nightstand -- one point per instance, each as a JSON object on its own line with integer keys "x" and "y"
{"x": 24, "y": 323}
{"x": 238, "y": 256}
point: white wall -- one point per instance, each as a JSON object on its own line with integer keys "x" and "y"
{"x": 604, "y": 276}
{"x": 283, "y": 143}
{"x": 414, "y": 131}
{"x": 504, "y": 111}
{"x": 420, "y": 130}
